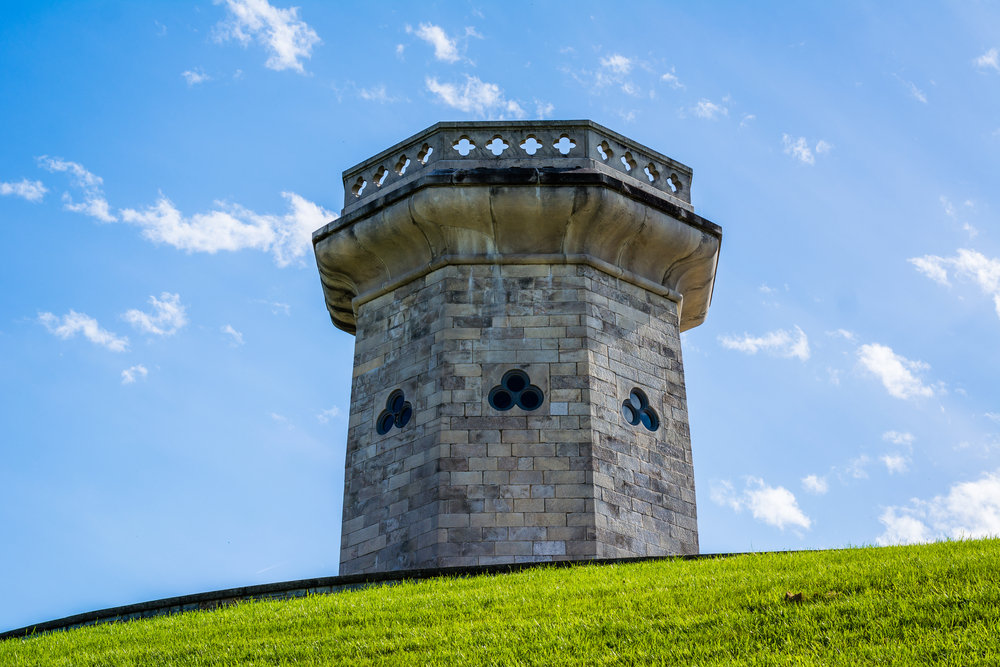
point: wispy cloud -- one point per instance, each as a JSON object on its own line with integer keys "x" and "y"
{"x": 989, "y": 59}
{"x": 237, "y": 336}
{"x": 169, "y": 316}
{"x": 445, "y": 47}
{"x": 778, "y": 343}
{"x": 856, "y": 467}
{"x": 69, "y": 325}
{"x": 287, "y": 38}
{"x": 475, "y": 96}
{"x": 895, "y": 371}
{"x": 970, "y": 264}
{"x": 94, "y": 204}
{"x": 899, "y": 438}
{"x": 969, "y": 510}
{"x": 671, "y": 79}
{"x": 233, "y": 227}
{"x": 277, "y": 307}
{"x": 376, "y": 94}
{"x": 544, "y": 109}
{"x": 129, "y": 374}
{"x": 746, "y": 119}
{"x": 798, "y": 148}
{"x": 814, "y": 484}
{"x": 895, "y": 463}
{"x": 842, "y": 333}
{"x": 32, "y": 191}
{"x": 912, "y": 87}
{"x": 327, "y": 415}
{"x": 196, "y": 75}
{"x": 708, "y": 109}
{"x": 775, "y": 506}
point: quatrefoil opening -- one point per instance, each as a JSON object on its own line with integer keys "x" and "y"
{"x": 515, "y": 388}
{"x": 675, "y": 183}
{"x": 380, "y": 175}
{"x": 531, "y": 145}
{"x": 464, "y": 145}
{"x": 403, "y": 163}
{"x": 497, "y": 145}
{"x": 629, "y": 161}
{"x": 359, "y": 186}
{"x": 398, "y": 412}
{"x": 636, "y": 410}
{"x": 605, "y": 150}
{"x": 565, "y": 144}
{"x": 651, "y": 172}
{"x": 425, "y": 153}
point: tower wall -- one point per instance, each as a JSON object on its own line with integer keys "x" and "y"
{"x": 464, "y": 484}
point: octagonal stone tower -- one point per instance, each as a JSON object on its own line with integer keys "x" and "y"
{"x": 517, "y": 291}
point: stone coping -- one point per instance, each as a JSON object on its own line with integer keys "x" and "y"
{"x": 522, "y": 143}
{"x": 319, "y": 586}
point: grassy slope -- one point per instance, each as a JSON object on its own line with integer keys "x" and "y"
{"x": 926, "y": 604}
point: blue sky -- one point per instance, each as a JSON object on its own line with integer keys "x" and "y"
{"x": 172, "y": 392}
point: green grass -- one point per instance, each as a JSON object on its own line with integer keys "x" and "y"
{"x": 931, "y": 604}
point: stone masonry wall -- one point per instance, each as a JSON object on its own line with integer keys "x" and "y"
{"x": 464, "y": 484}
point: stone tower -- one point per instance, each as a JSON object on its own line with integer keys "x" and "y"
{"x": 517, "y": 292}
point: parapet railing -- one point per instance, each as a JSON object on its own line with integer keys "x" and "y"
{"x": 515, "y": 144}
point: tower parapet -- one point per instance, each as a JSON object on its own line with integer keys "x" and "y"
{"x": 517, "y": 291}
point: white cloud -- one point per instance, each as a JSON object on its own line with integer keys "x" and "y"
{"x": 237, "y": 336}
{"x": 815, "y": 484}
{"x": 618, "y": 64}
{"x": 779, "y": 343}
{"x": 798, "y": 148}
{"x": 31, "y": 190}
{"x": 993, "y": 417}
{"x": 856, "y": 467}
{"x": 916, "y": 92}
{"x": 895, "y": 371}
{"x": 282, "y": 33}
{"x": 767, "y": 290}
{"x": 399, "y": 50}
{"x": 823, "y": 147}
{"x": 775, "y": 506}
{"x": 671, "y": 78}
{"x": 327, "y": 415}
{"x": 69, "y": 325}
{"x": 707, "y": 109}
{"x": 94, "y": 205}
{"x": 544, "y": 109}
{"x": 197, "y": 75}
{"x": 967, "y": 264}
{"x": 232, "y": 228}
{"x": 842, "y": 333}
{"x": 276, "y": 417}
{"x": 898, "y": 438}
{"x": 445, "y": 48}
{"x": 895, "y": 463}
{"x": 746, "y": 119}
{"x": 128, "y": 375}
{"x": 989, "y": 59}
{"x": 168, "y": 319}
{"x": 483, "y": 99}
{"x": 277, "y": 307}
{"x": 970, "y": 510}
{"x": 377, "y": 94}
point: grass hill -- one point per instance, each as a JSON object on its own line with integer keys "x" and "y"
{"x": 929, "y": 604}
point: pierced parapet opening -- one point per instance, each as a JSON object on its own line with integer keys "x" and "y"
{"x": 380, "y": 175}
{"x": 425, "y": 153}
{"x": 464, "y": 145}
{"x": 565, "y": 144}
{"x": 497, "y": 145}
{"x": 629, "y": 161}
{"x": 651, "y": 172}
{"x": 359, "y": 186}
{"x": 403, "y": 163}
{"x": 531, "y": 145}
{"x": 605, "y": 150}
{"x": 675, "y": 183}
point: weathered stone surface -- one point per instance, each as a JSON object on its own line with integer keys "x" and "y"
{"x": 450, "y": 280}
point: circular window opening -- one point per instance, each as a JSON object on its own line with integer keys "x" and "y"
{"x": 501, "y": 399}
{"x": 396, "y": 402}
{"x": 403, "y": 418}
{"x": 385, "y": 422}
{"x": 629, "y": 413}
{"x": 530, "y": 398}
{"x": 515, "y": 381}
{"x": 636, "y": 410}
